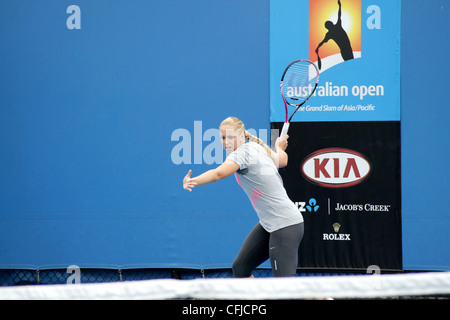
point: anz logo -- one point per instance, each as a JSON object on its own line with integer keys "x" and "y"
{"x": 311, "y": 206}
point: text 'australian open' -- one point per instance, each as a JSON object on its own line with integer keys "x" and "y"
{"x": 330, "y": 90}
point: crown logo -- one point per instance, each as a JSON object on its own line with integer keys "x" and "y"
{"x": 336, "y": 227}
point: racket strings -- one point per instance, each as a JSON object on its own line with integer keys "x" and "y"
{"x": 299, "y": 81}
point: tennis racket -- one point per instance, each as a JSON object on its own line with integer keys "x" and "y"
{"x": 298, "y": 83}
{"x": 319, "y": 62}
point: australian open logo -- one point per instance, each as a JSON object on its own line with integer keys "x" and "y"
{"x": 334, "y": 32}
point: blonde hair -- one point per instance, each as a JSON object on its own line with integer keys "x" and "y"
{"x": 238, "y": 125}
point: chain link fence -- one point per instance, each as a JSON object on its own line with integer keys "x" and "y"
{"x": 15, "y": 277}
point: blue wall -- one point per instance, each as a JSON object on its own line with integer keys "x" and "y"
{"x": 425, "y": 134}
{"x": 87, "y": 116}
{"x": 86, "y": 121}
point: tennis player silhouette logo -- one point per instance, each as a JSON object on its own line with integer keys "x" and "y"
{"x": 337, "y": 33}
{"x": 345, "y": 32}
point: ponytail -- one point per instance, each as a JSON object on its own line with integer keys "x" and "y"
{"x": 253, "y": 138}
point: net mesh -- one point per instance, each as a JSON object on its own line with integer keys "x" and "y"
{"x": 388, "y": 286}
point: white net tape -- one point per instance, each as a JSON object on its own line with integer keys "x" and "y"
{"x": 367, "y": 286}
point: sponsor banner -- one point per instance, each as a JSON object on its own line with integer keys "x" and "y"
{"x": 344, "y": 146}
{"x": 355, "y": 44}
{"x": 345, "y": 179}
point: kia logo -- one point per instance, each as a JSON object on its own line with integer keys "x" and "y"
{"x": 336, "y": 168}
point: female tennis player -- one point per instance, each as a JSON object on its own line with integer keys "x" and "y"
{"x": 279, "y": 231}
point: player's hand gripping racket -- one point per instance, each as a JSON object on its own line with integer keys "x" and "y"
{"x": 298, "y": 83}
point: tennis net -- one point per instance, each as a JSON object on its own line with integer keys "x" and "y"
{"x": 389, "y": 286}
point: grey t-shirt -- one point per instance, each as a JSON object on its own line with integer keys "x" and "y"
{"x": 259, "y": 178}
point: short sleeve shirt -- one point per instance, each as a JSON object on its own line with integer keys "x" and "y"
{"x": 259, "y": 178}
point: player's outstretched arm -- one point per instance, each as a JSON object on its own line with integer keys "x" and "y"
{"x": 224, "y": 170}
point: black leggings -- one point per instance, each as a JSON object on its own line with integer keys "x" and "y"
{"x": 280, "y": 246}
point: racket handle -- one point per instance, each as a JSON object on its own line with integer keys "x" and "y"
{"x": 285, "y": 129}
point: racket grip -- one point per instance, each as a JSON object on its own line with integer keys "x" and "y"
{"x": 285, "y": 129}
